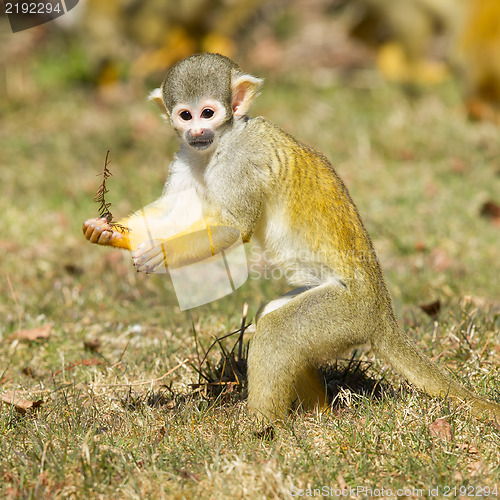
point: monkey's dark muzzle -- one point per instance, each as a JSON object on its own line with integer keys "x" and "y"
{"x": 200, "y": 144}
{"x": 202, "y": 140}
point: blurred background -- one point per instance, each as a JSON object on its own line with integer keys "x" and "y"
{"x": 414, "y": 42}
{"x": 403, "y": 96}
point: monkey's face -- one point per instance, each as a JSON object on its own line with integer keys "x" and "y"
{"x": 197, "y": 124}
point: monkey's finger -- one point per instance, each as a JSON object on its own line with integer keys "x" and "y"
{"x": 146, "y": 251}
{"x": 148, "y": 267}
{"x": 149, "y": 257}
{"x": 92, "y": 234}
{"x": 143, "y": 258}
{"x": 98, "y": 231}
{"x": 90, "y": 224}
{"x": 100, "y": 236}
{"x": 88, "y": 227}
{"x": 105, "y": 237}
{"x": 96, "y": 221}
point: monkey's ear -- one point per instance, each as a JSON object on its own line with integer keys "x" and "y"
{"x": 245, "y": 89}
{"x": 157, "y": 98}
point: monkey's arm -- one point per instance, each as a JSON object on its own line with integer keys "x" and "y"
{"x": 197, "y": 243}
{"x": 101, "y": 232}
{"x": 157, "y": 240}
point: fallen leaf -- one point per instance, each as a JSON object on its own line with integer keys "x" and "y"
{"x": 82, "y": 362}
{"x": 458, "y": 165}
{"x": 431, "y": 189}
{"x": 20, "y": 405}
{"x": 490, "y": 209}
{"x": 439, "y": 259}
{"x": 187, "y": 474}
{"x": 406, "y": 155}
{"x": 86, "y": 362}
{"x": 432, "y": 308}
{"x": 28, "y": 371}
{"x": 160, "y": 435}
{"x": 42, "y": 332}
{"x": 468, "y": 448}
{"x": 9, "y": 246}
{"x": 92, "y": 344}
{"x": 342, "y": 482}
{"x": 267, "y": 433}
{"x": 73, "y": 270}
{"x": 475, "y": 468}
{"x": 441, "y": 428}
{"x": 420, "y": 246}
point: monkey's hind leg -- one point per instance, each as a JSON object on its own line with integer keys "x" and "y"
{"x": 279, "y": 380}
{"x": 289, "y": 345}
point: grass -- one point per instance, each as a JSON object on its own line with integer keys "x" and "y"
{"x": 112, "y": 425}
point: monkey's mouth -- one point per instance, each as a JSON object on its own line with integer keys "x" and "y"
{"x": 201, "y": 144}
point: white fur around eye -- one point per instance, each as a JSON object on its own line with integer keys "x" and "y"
{"x": 219, "y": 112}
{"x": 177, "y": 119}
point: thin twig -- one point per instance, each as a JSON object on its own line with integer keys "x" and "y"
{"x": 100, "y": 198}
{"x": 121, "y": 355}
{"x": 240, "y": 340}
{"x": 16, "y": 301}
{"x": 217, "y": 341}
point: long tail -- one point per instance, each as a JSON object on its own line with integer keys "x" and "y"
{"x": 397, "y": 349}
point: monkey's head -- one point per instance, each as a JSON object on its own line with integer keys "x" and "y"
{"x": 203, "y": 95}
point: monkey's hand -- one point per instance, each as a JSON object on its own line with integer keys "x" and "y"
{"x": 150, "y": 257}
{"x": 101, "y": 232}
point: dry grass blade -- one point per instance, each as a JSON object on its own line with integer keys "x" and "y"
{"x": 229, "y": 377}
{"x": 145, "y": 382}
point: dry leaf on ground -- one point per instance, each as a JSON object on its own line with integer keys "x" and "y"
{"x": 20, "y": 405}
{"x": 42, "y": 332}
{"x": 441, "y": 428}
{"x": 491, "y": 210}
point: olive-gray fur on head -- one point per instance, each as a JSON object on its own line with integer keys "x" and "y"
{"x": 200, "y": 76}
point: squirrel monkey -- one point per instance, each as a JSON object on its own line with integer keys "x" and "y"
{"x": 254, "y": 180}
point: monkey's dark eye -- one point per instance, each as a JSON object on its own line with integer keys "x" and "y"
{"x": 207, "y": 113}
{"x": 185, "y": 115}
